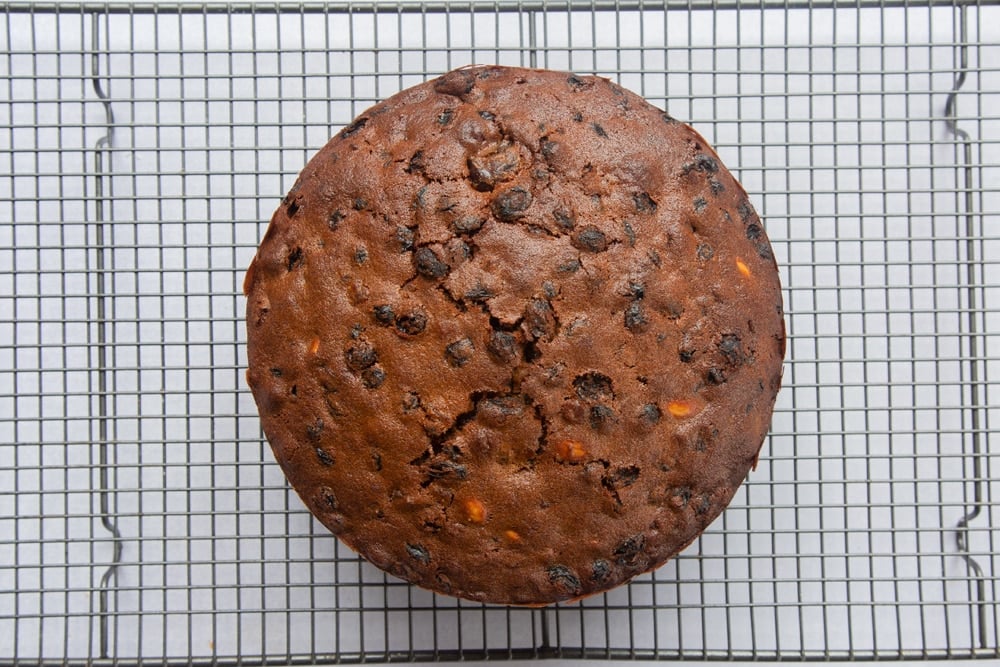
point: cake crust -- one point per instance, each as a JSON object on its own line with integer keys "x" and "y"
{"x": 515, "y": 335}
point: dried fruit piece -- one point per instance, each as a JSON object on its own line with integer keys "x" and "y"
{"x": 601, "y": 416}
{"x": 411, "y": 401}
{"x": 565, "y": 219}
{"x": 570, "y": 451}
{"x": 405, "y": 238}
{"x": 326, "y": 495}
{"x": 703, "y": 163}
{"x": 650, "y": 414}
{"x": 564, "y": 578}
{"x": 416, "y": 164}
{"x": 511, "y": 204}
{"x": 635, "y": 318}
{"x": 412, "y": 323}
{"x": 715, "y": 376}
{"x": 643, "y": 203}
{"x": 682, "y": 408}
{"x": 467, "y": 224}
{"x": 502, "y": 346}
{"x": 600, "y": 570}
{"x": 336, "y": 217}
{"x": 315, "y": 430}
{"x": 361, "y": 356}
{"x": 474, "y": 511}
{"x": 325, "y": 457}
{"x": 314, "y": 346}
{"x": 429, "y": 265}
{"x": 680, "y": 497}
{"x": 593, "y": 386}
{"x": 373, "y": 377}
{"x": 571, "y": 266}
{"x": 494, "y": 166}
{"x": 479, "y": 294}
{"x": 743, "y": 268}
{"x": 630, "y": 552}
{"x": 460, "y": 352}
{"x": 418, "y": 552}
{"x": 732, "y": 349}
{"x": 539, "y": 320}
{"x": 384, "y": 314}
{"x": 591, "y": 239}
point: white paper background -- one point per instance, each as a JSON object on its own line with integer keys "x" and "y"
{"x": 842, "y": 541}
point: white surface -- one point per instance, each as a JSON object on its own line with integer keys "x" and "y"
{"x": 842, "y": 540}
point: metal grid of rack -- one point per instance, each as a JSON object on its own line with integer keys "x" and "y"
{"x": 144, "y": 146}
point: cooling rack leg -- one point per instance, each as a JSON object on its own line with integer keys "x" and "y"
{"x": 972, "y": 332}
{"x": 532, "y": 39}
{"x": 102, "y": 166}
{"x": 545, "y": 648}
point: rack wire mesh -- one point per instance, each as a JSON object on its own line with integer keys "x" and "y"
{"x": 142, "y": 518}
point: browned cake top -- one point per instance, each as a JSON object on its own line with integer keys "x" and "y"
{"x": 515, "y": 335}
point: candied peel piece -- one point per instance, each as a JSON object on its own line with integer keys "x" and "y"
{"x": 683, "y": 408}
{"x": 475, "y": 512}
{"x": 570, "y": 451}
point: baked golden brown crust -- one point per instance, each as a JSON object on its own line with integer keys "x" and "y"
{"x": 515, "y": 335}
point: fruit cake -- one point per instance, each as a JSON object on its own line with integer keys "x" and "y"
{"x": 515, "y": 335}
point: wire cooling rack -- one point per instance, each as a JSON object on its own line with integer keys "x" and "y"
{"x": 142, "y": 149}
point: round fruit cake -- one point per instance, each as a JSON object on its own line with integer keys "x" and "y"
{"x": 515, "y": 335}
